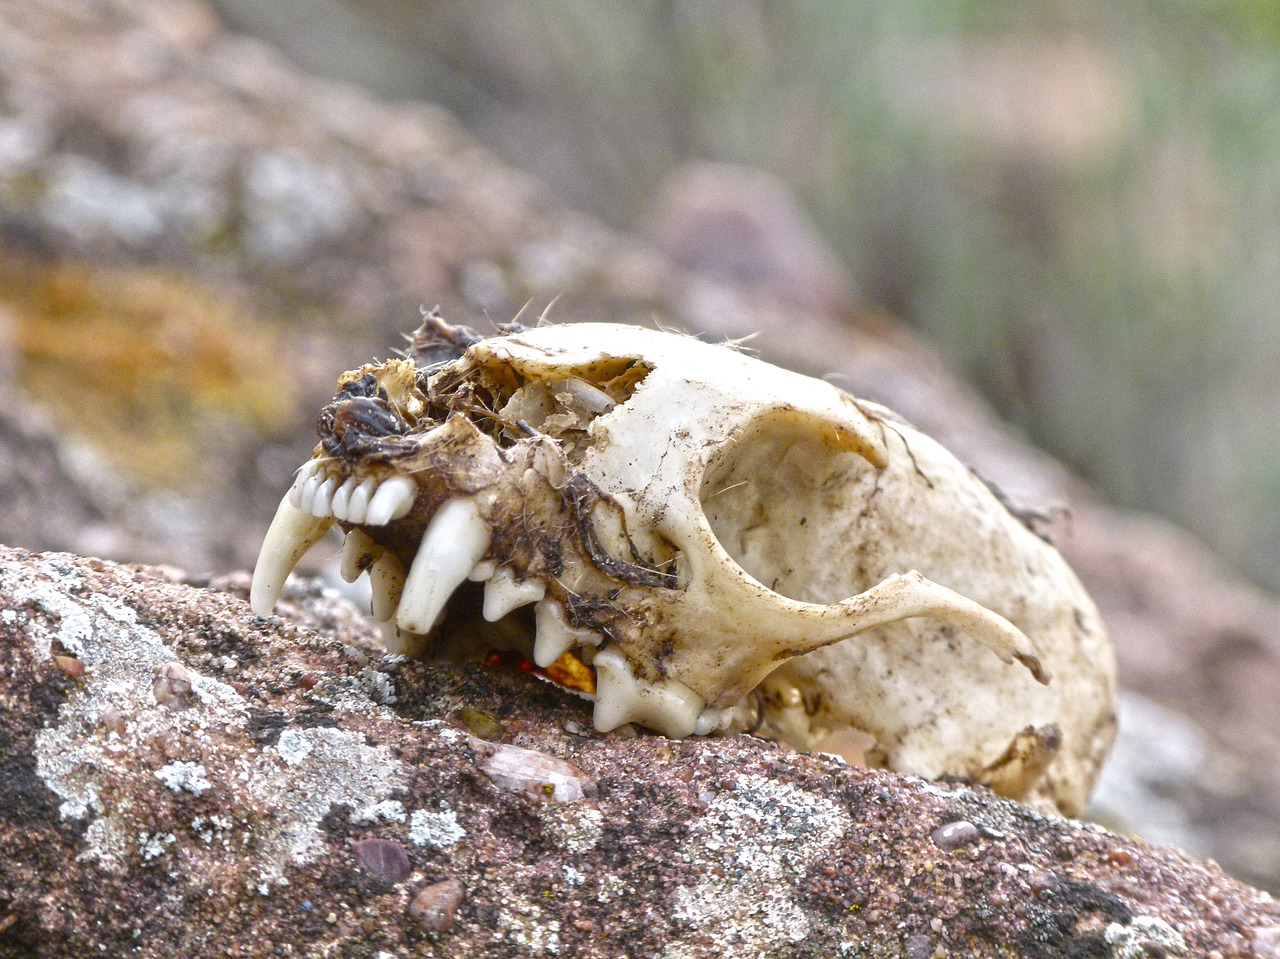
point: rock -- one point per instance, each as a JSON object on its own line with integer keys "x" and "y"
{"x": 163, "y": 175}
{"x": 349, "y": 814}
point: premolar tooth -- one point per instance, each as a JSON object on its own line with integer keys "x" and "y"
{"x": 393, "y": 499}
{"x": 386, "y": 576}
{"x": 455, "y": 540}
{"x": 482, "y": 571}
{"x": 322, "y": 501}
{"x": 667, "y": 705}
{"x": 553, "y": 635}
{"x": 291, "y": 534}
{"x": 358, "y": 504}
{"x": 359, "y": 552}
{"x": 502, "y": 594}
{"x": 342, "y": 497}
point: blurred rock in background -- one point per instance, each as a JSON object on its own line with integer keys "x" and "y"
{"x": 197, "y": 236}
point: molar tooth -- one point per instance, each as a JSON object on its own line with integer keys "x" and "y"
{"x": 291, "y": 534}
{"x": 667, "y": 705}
{"x": 358, "y": 504}
{"x": 454, "y": 541}
{"x": 386, "y": 576}
{"x": 393, "y": 499}
{"x": 359, "y": 552}
{"x": 553, "y": 636}
{"x": 502, "y": 594}
{"x": 341, "y": 498}
{"x": 321, "y": 503}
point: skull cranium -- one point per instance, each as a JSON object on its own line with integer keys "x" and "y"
{"x": 706, "y": 532}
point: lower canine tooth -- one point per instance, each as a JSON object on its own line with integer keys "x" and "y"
{"x": 393, "y": 499}
{"x": 386, "y": 576}
{"x": 667, "y": 705}
{"x": 502, "y": 594}
{"x": 400, "y": 643}
{"x": 553, "y": 635}
{"x": 455, "y": 540}
{"x": 359, "y": 552}
{"x": 291, "y": 534}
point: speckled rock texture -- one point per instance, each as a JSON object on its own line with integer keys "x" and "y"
{"x": 181, "y": 778}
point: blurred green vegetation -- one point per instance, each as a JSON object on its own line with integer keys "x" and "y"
{"x": 1080, "y": 201}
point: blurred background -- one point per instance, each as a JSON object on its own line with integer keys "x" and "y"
{"x": 1026, "y": 226}
{"x": 1078, "y": 201}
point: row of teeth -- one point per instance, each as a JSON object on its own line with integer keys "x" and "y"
{"x": 408, "y": 603}
{"x": 367, "y": 501}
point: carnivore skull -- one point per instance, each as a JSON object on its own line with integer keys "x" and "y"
{"x": 726, "y": 544}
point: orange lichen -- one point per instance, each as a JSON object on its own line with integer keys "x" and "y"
{"x": 148, "y": 365}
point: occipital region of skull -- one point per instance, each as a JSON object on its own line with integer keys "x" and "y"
{"x": 703, "y": 542}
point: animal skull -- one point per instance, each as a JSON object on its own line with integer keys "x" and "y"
{"x": 706, "y": 532}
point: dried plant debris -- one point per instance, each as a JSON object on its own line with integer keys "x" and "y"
{"x": 703, "y": 535}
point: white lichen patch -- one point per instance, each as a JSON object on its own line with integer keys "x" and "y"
{"x": 389, "y": 810}
{"x": 299, "y": 780}
{"x": 439, "y": 830}
{"x": 749, "y": 846}
{"x": 329, "y": 767}
{"x": 1145, "y": 936}
{"x": 183, "y": 775}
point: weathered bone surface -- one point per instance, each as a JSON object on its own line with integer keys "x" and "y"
{"x": 709, "y": 533}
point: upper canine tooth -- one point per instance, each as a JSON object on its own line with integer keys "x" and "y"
{"x": 359, "y": 552}
{"x": 502, "y": 594}
{"x": 553, "y": 635}
{"x": 291, "y": 534}
{"x": 393, "y": 499}
{"x": 454, "y": 541}
{"x": 358, "y": 504}
{"x": 321, "y": 503}
{"x": 341, "y": 497}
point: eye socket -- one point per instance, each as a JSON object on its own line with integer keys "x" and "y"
{"x": 779, "y": 496}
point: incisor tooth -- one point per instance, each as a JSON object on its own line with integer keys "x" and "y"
{"x": 305, "y": 472}
{"x": 309, "y": 488}
{"x": 393, "y": 499}
{"x": 359, "y": 552}
{"x": 553, "y": 636}
{"x": 454, "y": 541}
{"x": 358, "y": 504}
{"x": 667, "y": 705}
{"x": 502, "y": 594}
{"x": 321, "y": 502}
{"x": 386, "y": 576}
{"x": 342, "y": 497}
{"x": 291, "y": 534}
